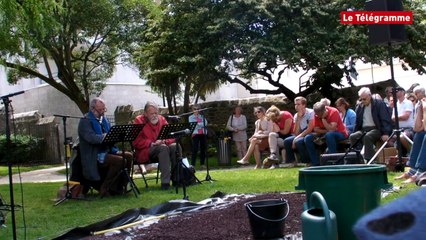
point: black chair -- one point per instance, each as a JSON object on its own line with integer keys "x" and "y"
{"x": 144, "y": 177}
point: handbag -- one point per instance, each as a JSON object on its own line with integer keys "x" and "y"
{"x": 229, "y": 133}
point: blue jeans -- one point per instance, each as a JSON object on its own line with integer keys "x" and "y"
{"x": 418, "y": 152}
{"x": 331, "y": 138}
{"x": 310, "y": 149}
{"x": 289, "y": 151}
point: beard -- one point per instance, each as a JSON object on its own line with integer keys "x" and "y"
{"x": 154, "y": 120}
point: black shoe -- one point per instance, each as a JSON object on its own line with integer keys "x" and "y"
{"x": 165, "y": 186}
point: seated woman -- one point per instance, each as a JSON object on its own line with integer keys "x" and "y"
{"x": 282, "y": 128}
{"x": 259, "y": 140}
{"x": 348, "y": 115}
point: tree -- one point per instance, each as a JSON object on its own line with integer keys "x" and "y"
{"x": 308, "y": 35}
{"x": 73, "y": 45}
{"x": 238, "y": 41}
{"x": 181, "y": 52}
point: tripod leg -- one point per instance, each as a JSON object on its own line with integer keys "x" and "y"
{"x": 380, "y": 149}
{"x": 133, "y": 186}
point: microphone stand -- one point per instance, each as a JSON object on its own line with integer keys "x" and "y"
{"x": 67, "y": 143}
{"x": 208, "y": 177}
{"x": 6, "y": 103}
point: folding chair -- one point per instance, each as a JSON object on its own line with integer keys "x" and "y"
{"x": 145, "y": 178}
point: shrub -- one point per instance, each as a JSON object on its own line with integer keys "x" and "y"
{"x": 22, "y": 148}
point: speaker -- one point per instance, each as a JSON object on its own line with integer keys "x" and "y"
{"x": 340, "y": 158}
{"x": 385, "y": 33}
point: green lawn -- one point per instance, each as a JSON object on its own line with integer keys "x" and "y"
{"x": 43, "y": 220}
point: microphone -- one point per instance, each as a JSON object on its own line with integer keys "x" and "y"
{"x": 185, "y": 131}
{"x": 173, "y": 117}
{"x": 58, "y": 115}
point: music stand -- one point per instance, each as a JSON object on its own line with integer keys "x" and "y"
{"x": 124, "y": 133}
{"x": 177, "y": 131}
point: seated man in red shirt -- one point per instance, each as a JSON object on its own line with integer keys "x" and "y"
{"x": 328, "y": 121}
{"x": 147, "y": 146}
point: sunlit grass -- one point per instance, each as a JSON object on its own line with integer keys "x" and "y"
{"x": 43, "y": 220}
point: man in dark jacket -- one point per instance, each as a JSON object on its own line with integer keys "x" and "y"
{"x": 373, "y": 118}
{"x": 97, "y": 156}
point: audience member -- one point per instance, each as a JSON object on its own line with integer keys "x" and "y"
{"x": 347, "y": 114}
{"x": 259, "y": 140}
{"x": 237, "y": 123}
{"x": 412, "y": 98}
{"x": 199, "y": 136}
{"x": 405, "y": 117}
{"x": 148, "y": 148}
{"x": 98, "y": 157}
{"x": 327, "y": 122}
{"x": 282, "y": 127}
{"x": 376, "y": 96}
{"x": 325, "y": 101}
{"x": 388, "y": 96}
{"x": 417, "y": 158}
{"x": 303, "y": 126}
{"x": 373, "y": 119}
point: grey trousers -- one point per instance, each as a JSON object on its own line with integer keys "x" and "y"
{"x": 369, "y": 141}
{"x": 166, "y": 155}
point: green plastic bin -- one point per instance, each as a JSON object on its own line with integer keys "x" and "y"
{"x": 350, "y": 191}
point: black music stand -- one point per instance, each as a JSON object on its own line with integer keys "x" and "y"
{"x": 177, "y": 131}
{"x": 124, "y": 133}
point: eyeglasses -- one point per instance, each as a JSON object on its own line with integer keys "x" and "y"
{"x": 363, "y": 99}
{"x": 101, "y": 109}
{"x": 257, "y": 112}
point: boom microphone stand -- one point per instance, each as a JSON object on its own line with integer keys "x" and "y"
{"x": 6, "y": 103}
{"x": 177, "y": 131}
{"x": 399, "y": 164}
{"x": 208, "y": 177}
{"x": 67, "y": 153}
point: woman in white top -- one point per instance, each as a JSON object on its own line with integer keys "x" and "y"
{"x": 259, "y": 140}
{"x": 237, "y": 123}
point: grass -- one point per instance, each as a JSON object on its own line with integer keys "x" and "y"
{"x": 43, "y": 220}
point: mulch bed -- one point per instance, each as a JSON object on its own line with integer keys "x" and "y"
{"x": 228, "y": 223}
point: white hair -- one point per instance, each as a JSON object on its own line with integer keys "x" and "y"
{"x": 419, "y": 89}
{"x": 364, "y": 90}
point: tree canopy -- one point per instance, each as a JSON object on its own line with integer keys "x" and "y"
{"x": 73, "y": 45}
{"x": 238, "y": 41}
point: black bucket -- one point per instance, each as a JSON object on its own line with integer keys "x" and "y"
{"x": 267, "y": 217}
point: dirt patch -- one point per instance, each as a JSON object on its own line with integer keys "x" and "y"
{"x": 228, "y": 223}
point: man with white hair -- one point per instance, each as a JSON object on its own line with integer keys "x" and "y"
{"x": 372, "y": 118}
{"x": 148, "y": 147}
{"x": 98, "y": 157}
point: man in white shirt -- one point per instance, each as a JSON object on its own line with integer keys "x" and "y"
{"x": 405, "y": 117}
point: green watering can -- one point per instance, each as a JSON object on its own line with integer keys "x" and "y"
{"x": 319, "y": 223}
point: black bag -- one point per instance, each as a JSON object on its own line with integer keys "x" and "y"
{"x": 229, "y": 133}
{"x": 340, "y": 158}
{"x": 186, "y": 175}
